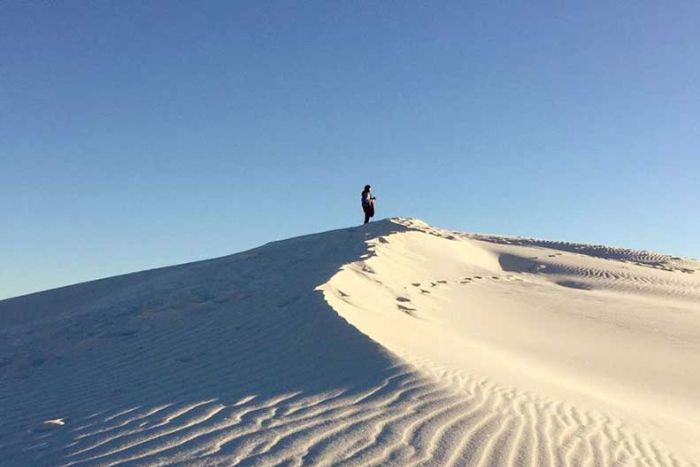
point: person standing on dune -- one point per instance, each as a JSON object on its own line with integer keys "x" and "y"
{"x": 368, "y": 203}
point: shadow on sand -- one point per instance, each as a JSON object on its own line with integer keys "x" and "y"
{"x": 240, "y": 326}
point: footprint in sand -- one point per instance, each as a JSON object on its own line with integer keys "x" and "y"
{"x": 407, "y": 310}
{"x": 415, "y": 284}
{"x": 424, "y": 291}
{"x": 403, "y": 299}
{"x": 48, "y": 425}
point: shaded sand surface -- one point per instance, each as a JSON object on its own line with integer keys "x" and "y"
{"x": 395, "y": 343}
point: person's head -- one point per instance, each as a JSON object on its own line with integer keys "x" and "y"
{"x": 368, "y": 188}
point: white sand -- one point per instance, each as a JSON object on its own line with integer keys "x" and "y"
{"x": 390, "y": 344}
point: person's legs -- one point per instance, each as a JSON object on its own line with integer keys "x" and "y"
{"x": 367, "y": 215}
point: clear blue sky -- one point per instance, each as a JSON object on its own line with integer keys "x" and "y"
{"x": 137, "y": 134}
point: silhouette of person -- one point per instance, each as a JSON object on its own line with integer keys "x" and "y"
{"x": 368, "y": 203}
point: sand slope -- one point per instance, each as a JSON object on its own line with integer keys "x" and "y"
{"x": 390, "y": 344}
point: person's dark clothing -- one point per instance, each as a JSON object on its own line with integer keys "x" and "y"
{"x": 367, "y": 205}
{"x": 369, "y": 213}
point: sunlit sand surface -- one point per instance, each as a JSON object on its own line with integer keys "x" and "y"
{"x": 394, "y": 343}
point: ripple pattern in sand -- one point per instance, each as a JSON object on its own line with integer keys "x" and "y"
{"x": 410, "y": 418}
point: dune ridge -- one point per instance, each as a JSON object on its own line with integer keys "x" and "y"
{"x": 395, "y": 343}
{"x": 609, "y": 333}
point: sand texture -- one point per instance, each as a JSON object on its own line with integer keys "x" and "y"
{"x": 394, "y": 343}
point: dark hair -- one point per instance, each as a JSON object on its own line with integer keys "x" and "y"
{"x": 367, "y": 187}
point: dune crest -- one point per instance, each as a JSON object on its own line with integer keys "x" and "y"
{"x": 394, "y": 343}
{"x": 575, "y": 338}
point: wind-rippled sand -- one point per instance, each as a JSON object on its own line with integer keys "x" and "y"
{"x": 395, "y": 343}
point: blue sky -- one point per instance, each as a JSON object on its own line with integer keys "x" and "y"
{"x": 141, "y": 134}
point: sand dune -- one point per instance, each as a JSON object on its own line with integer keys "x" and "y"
{"x": 394, "y": 343}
